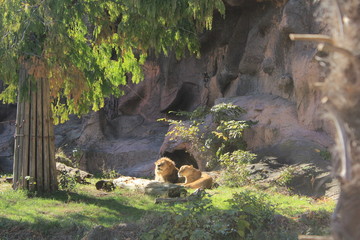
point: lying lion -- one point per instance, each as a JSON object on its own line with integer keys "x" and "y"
{"x": 165, "y": 170}
{"x": 194, "y": 178}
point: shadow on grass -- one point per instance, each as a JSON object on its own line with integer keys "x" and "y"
{"x": 64, "y": 219}
{"x": 41, "y": 229}
{"x": 115, "y": 203}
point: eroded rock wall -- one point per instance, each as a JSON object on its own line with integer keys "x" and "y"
{"x": 248, "y": 59}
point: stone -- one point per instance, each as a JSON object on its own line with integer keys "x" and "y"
{"x": 80, "y": 175}
{"x": 150, "y": 187}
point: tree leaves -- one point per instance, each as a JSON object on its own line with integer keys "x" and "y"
{"x": 89, "y": 48}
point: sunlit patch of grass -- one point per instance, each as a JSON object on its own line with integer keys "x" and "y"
{"x": 286, "y": 205}
{"x": 86, "y": 207}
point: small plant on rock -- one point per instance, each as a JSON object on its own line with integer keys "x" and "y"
{"x": 286, "y": 176}
{"x": 235, "y": 173}
{"x": 67, "y": 182}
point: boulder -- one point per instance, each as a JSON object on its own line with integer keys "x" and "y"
{"x": 79, "y": 175}
{"x": 7, "y": 131}
{"x": 151, "y": 187}
{"x": 303, "y": 179}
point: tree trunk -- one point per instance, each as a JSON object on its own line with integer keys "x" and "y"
{"x": 34, "y": 155}
{"x": 342, "y": 96}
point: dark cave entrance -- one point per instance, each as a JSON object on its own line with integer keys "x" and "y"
{"x": 185, "y": 100}
{"x": 181, "y": 157}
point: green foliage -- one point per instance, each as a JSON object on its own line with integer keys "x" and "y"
{"x": 210, "y": 142}
{"x": 88, "y": 48}
{"x": 258, "y": 211}
{"x": 198, "y": 221}
{"x": 226, "y": 112}
{"x": 72, "y": 214}
{"x": 229, "y": 136}
{"x": 198, "y": 114}
{"x": 109, "y": 174}
{"x": 317, "y": 222}
{"x": 325, "y": 154}
{"x": 235, "y": 173}
{"x": 67, "y": 182}
{"x": 286, "y": 176}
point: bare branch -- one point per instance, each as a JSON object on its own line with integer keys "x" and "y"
{"x": 311, "y": 37}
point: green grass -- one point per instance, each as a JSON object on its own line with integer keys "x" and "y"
{"x": 287, "y": 205}
{"x": 87, "y": 207}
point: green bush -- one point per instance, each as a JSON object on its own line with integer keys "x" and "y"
{"x": 67, "y": 182}
{"x": 235, "y": 173}
{"x": 255, "y": 207}
{"x": 226, "y": 112}
{"x": 211, "y": 141}
{"x": 197, "y": 221}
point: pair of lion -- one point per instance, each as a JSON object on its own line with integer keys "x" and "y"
{"x": 165, "y": 171}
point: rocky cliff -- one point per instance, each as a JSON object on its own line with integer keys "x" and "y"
{"x": 247, "y": 59}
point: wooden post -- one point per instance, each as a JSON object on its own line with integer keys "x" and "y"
{"x": 47, "y": 142}
{"x": 52, "y": 163}
{"x": 26, "y": 140}
{"x": 19, "y": 131}
{"x": 39, "y": 137}
{"x": 32, "y": 153}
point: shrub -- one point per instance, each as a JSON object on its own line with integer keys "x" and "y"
{"x": 235, "y": 173}
{"x": 256, "y": 209}
{"x": 109, "y": 174}
{"x": 210, "y": 142}
{"x": 67, "y": 182}
{"x": 226, "y": 112}
{"x": 286, "y": 176}
{"x": 198, "y": 221}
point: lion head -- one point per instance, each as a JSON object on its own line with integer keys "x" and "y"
{"x": 164, "y": 165}
{"x": 190, "y": 173}
{"x": 165, "y": 170}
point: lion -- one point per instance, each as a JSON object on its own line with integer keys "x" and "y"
{"x": 194, "y": 178}
{"x": 165, "y": 170}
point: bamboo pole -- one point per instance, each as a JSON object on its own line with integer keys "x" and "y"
{"x": 19, "y": 122}
{"x": 39, "y": 138}
{"x": 46, "y": 143}
{"x": 53, "y": 174}
{"x": 32, "y": 153}
{"x": 16, "y": 145}
{"x": 26, "y": 139}
{"x": 20, "y": 150}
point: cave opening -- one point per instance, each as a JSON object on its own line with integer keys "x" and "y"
{"x": 181, "y": 157}
{"x": 185, "y": 100}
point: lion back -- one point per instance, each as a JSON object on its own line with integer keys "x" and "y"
{"x": 205, "y": 182}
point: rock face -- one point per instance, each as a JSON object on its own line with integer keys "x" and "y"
{"x": 247, "y": 59}
{"x": 7, "y": 131}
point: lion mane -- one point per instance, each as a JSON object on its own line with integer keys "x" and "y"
{"x": 166, "y": 171}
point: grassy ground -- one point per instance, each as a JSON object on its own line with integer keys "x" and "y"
{"x": 74, "y": 213}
